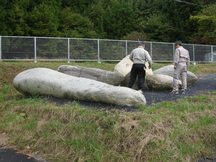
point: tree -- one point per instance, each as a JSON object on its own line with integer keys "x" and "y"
{"x": 75, "y": 25}
{"x": 79, "y": 6}
{"x": 43, "y": 19}
{"x": 3, "y": 17}
{"x": 120, "y": 19}
{"x": 178, "y": 15}
{"x": 205, "y": 23}
{"x": 158, "y": 20}
{"x": 96, "y": 14}
{"x": 13, "y": 14}
{"x": 157, "y": 28}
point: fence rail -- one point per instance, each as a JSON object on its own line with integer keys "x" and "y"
{"x": 84, "y": 49}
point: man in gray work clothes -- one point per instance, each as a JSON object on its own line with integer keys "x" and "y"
{"x": 139, "y": 56}
{"x": 181, "y": 63}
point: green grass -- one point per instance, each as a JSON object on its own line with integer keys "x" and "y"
{"x": 183, "y": 130}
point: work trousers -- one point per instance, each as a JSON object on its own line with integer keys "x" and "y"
{"x": 180, "y": 73}
{"x": 137, "y": 70}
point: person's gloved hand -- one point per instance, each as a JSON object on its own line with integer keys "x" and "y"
{"x": 149, "y": 66}
{"x": 175, "y": 65}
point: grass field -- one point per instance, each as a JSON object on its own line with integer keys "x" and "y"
{"x": 184, "y": 130}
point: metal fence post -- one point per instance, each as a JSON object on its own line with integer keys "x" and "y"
{"x": 151, "y": 49}
{"x": 68, "y": 50}
{"x": 173, "y": 51}
{"x": 35, "y": 50}
{"x": 98, "y": 41}
{"x": 194, "y": 54}
{"x": 126, "y": 48}
{"x": 212, "y": 54}
{"x": 0, "y": 48}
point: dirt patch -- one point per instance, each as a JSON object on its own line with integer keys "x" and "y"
{"x": 3, "y": 139}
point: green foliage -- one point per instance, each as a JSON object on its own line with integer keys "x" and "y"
{"x": 120, "y": 19}
{"x": 158, "y": 20}
{"x": 205, "y": 25}
{"x": 134, "y": 35}
{"x": 157, "y": 27}
{"x": 4, "y": 90}
{"x": 75, "y": 25}
{"x": 13, "y": 17}
{"x": 96, "y": 13}
{"x": 43, "y": 20}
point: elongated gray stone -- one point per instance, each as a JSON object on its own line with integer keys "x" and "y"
{"x": 160, "y": 82}
{"x": 169, "y": 70}
{"x": 44, "y": 81}
{"x": 109, "y": 77}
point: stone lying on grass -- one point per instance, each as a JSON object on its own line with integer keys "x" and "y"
{"x": 159, "y": 82}
{"x": 113, "y": 78}
{"x": 44, "y": 81}
{"x": 155, "y": 82}
{"x": 169, "y": 70}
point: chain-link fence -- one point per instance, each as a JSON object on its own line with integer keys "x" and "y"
{"x": 82, "y": 49}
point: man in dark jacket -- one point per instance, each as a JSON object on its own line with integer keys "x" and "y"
{"x": 139, "y": 56}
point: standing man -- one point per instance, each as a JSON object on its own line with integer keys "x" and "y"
{"x": 181, "y": 63}
{"x": 139, "y": 56}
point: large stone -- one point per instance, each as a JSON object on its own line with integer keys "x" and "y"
{"x": 125, "y": 65}
{"x": 45, "y": 81}
{"x": 113, "y": 78}
{"x": 169, "y": 70}
{"x": 159, "y": 82}
{"x": 124, "y": 68}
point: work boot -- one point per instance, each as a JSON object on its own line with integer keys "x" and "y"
{"x": 183, "y": 91}
{"x": 175, "y": 92}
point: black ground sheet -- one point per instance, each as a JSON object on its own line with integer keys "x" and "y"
{"x": 204, "y": 84}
